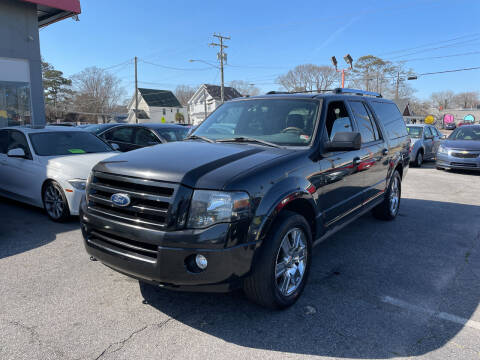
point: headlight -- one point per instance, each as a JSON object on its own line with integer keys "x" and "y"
{"x": 212, "y": 207}
{"x": 78, "y": 184}
{"x": 442, "y": 150}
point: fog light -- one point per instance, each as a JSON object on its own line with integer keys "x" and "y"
{"x": 201, "y": 262}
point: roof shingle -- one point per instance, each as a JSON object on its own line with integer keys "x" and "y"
{"x": 159, "y": 98}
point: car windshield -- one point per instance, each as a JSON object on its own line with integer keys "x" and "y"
{"x": 67, "y": 143}
{"x": 288, "y": 122}
{"x": 415, "y": 131}
{"x": 466, "y": 133}
{"x": 172, "y": 134}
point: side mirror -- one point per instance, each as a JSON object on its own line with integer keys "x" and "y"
{"x": 345, "y": 141}
{"x": 16, "y": 153}
{"x": 115, "y": 147}
{"x": 444, "y": 137}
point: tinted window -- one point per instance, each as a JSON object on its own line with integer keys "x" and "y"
{"x": 122, "y": 134}
{"x": 466, "y": 133}
{"x": 337, "y": 119}
{"x": 281, "y": 121}
{"x": 3, "y": 141}
{"x": 18, "y": 140}
{"x": 367, "y": 127}
{"x": 173, "y": 134}
{"x": 145, "y": 137}
{"x": 390, "y": 117}
{"x": 67, "y": 143}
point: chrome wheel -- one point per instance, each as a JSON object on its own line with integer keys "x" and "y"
{"x": 53, "y": 200}
{"x": 291, "y": 261}
{"x": 394, "y": 195}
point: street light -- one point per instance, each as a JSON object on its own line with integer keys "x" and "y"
{"x": 349, "y": 60}
{"x": 205, "y": 62}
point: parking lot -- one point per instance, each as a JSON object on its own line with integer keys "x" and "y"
{"x": 407, "y": 288}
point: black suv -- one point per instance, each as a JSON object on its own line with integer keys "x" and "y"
{"x": 242, "y": 200}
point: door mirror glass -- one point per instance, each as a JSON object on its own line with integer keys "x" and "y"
{"x": 115, "y": 147}
{"x": 344, "y": 141}
{"x": 17, "y": 153}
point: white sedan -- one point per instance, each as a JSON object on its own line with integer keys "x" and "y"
{"x": 48, "y": 167}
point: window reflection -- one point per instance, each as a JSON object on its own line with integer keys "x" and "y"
{"x": 14, "y": 103}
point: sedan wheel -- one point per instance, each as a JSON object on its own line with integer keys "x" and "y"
{"x": 55, "y": 202}
{"x": 419, "y": 159}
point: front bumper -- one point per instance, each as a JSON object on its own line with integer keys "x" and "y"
{"x": 450, "y": 162}
{"x": 161, "y": 258}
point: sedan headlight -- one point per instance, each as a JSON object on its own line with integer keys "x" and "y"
{"x": 442, "y": 150}
{"x": 212, "y": 207}
{"x": 78, "y": 184}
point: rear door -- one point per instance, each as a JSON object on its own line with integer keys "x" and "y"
{"x": 373, "y": 159}
{"x": 341, "y": 182}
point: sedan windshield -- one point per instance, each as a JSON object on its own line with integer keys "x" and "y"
{"x": 275, "y": 121}
{"x": 67, "y": 143}
{"x": 466, "y": 133}
{"x": 415, "y": 131}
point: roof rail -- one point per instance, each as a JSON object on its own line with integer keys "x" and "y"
{"x": 357, "y": 92}
{"x": 298, "y": 92}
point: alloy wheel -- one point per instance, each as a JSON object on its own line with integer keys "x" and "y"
{"x": 291, "y": 261}
{"x": 53, "y": 202}
{"x": 394, "y": 195}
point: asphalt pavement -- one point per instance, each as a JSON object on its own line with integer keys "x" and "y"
{"x": 407, "y": 288}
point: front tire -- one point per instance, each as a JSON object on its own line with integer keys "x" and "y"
{"x": 282, "y": 269}
{"x": 55, "y": 202}
{"x": 390, "y": 206}
{"x": 419, "y": 159}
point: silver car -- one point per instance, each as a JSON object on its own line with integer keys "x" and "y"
{"x": 461, "y": 150}
{"x": 425, "y": 142}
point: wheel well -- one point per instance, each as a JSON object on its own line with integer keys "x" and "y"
{"x": 304, "y": 208}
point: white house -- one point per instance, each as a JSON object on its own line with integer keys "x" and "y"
{"x": 155, "y": 106}
{"x": 206, "y": 99}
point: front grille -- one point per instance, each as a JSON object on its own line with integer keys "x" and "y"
{"x": 464, "y": 155}
{"x": 149, "y": 200}
{"x": 466, "y": 165}
{"x": 139, "y": 250}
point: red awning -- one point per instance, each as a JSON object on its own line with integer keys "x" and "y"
{"x": 50, "y": 11}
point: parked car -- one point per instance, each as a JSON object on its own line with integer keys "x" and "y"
{"x": 220, "y": 211}
{"x": 425, "y": 142}
{"x": 461, "y": 150}
{"x": 48, "y": 167}
{"x": 98, "y": 128}
{"x": 135, "y": 136}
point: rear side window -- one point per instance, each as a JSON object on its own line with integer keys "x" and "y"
{"x": 391, "y": 118}
{"x": 366, "y": 125}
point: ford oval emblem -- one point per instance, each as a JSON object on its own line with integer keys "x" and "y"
{"x": 120, "y": 199}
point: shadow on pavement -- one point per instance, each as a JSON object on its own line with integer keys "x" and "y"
{"x": 419, "y": 258}
{"x": 24, "y": 227}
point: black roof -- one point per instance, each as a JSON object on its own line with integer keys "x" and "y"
{"x": 159, "y": 98}
{"x": 229, "y": 92}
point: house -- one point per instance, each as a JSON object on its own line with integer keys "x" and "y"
{"x": 156, "y": 106}
{"x": 206, "y": 99}
{"x": 404, "y": 107}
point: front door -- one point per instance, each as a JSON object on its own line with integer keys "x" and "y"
{"x": 428, "y": 142}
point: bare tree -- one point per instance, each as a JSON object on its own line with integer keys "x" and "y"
{"x": 419, "y": 107}
{"x": 442, "y": 99}
{"x": 184, "y": 93}
{"x": 244, "y": 87}
{"x": 466, "y": 100}
{"x": 97, "y": 91}
{"x": 308, "y": 77}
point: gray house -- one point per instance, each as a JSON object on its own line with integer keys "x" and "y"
{"x": 21, "y": 90}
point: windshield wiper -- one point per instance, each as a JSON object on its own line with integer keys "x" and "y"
{"x": 249, "y": 140}
{"x": 197, "y": 137}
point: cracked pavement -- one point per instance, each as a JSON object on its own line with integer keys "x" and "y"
{"x": 56, "y": 304}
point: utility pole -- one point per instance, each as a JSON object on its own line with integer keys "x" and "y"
{"x": 221, "y": 56}
{"x": 397, "y": 85}
{"x": 136, "y": 92}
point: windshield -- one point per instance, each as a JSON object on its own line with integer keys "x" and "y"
{"x": 278, "y": 121}
{"x": 67, "y": 143}
{"x": 171, "y": 135}
{"x": 466, "y": 133}
{"x": 415, "y": 131}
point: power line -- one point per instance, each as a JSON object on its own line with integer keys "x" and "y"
{"x": 449, "y": 71}
{"x": 173, "y": 68}
{"x": 441, "y": 57}
{"x": 461, "y": 43}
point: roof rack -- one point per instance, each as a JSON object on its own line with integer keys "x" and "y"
{"x": 356, "y": 92}
{"x": 298, "y": 92}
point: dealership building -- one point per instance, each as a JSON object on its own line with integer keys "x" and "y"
{"x": 21, "y": 91}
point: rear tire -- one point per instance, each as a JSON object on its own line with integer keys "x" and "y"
{"x": 390, "y": 205}
{"x": 281, "y": 271}
{"x": 54, "y": 202}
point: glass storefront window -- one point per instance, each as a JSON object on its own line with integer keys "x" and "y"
{"x": 15, "y": 106}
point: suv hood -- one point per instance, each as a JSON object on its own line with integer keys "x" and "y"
{"x": 74, "y": 166}
{"x": 192, "y": 163}
{"x": 471, "y": 145}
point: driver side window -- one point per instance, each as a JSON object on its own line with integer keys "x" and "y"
{"x": 337, "y": 119}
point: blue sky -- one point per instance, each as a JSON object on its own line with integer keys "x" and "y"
{"x": 267, "y": 39}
